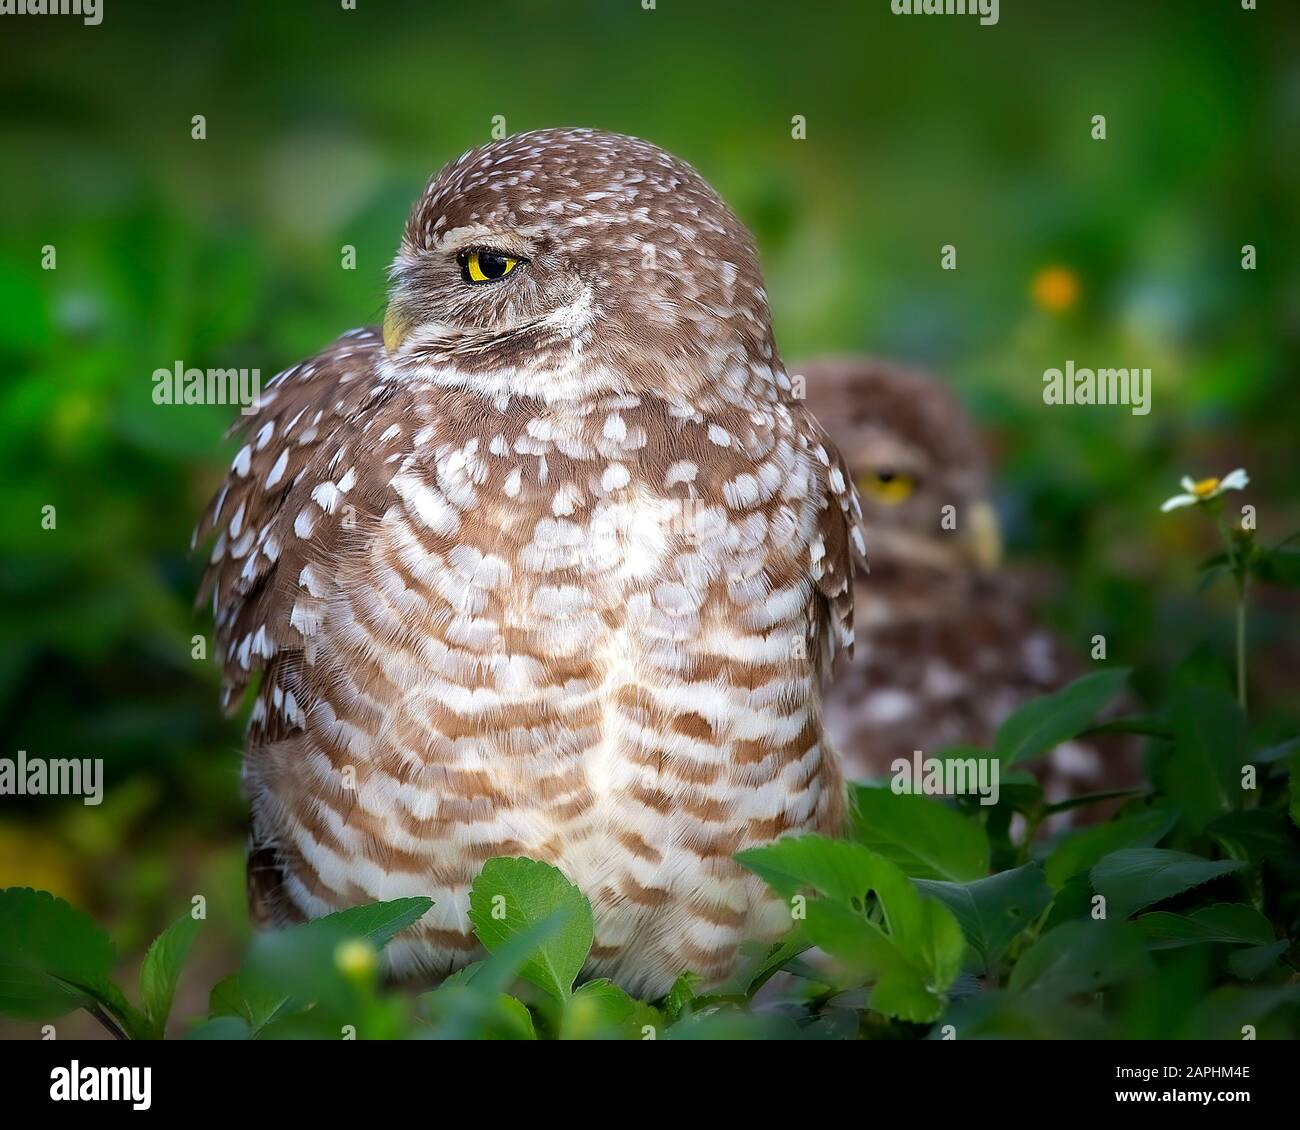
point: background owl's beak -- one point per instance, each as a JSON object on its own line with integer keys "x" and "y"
{"x": 396, "y": 327}
{"x": 983, "y": 540}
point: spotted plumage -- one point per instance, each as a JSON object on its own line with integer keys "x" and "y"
{"x": 554, "y": 567}
{"x": 947, "y": 641}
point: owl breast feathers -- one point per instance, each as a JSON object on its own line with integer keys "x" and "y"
{"x": 555, "y": 568}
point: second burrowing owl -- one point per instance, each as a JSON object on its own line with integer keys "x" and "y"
{"x": 947, "y": 642}
{"x": 554, "y": 566}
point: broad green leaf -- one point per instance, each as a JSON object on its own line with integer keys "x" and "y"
{"x": 993, "y": 911}
{"x": 161, "y": 970}
{"x": 1134, "y": 878}
{"x": 1083, "y": 800}
{"x": 761, "y": 962}
{"x": 733, "y": 1024}
{"x": 472, "y": 1003}
{"x": 602, "y": 1010}
{"x": 1074, "y": 899}
{"x": 870, "y": 918}
{"x": 377, "y": 922}
{"x": 52, "y": 958}
{"x": 288, "y": 969}
{"x": 1257, "y": 960}
{"x": 1256, "y": 835}
{"x": 248, "y": 998}
{"x": 1081, "y": 850}
{"x": 221, "y": 1028}
{"x": 1202, "y": 775}
{"x": 1046, "y": 722}
{"x": 1276, "y": 752}
{"x": 1083, "y": 956}
{"x": 921, "y": 835}
{"x": 1144, "y": 725}
{"x": 511, "y": 895}
{"x": 1233, "y": 923}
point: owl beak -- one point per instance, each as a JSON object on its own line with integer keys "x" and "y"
{"x": 396, "y": 327}
{"x": 983, "y": 536}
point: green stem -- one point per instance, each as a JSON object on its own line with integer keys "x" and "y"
{"x": 1237, "y": 565}
{"x": 1241, "y": 643}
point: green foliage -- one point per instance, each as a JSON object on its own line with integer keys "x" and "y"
{"x": 510, "y": 895}
{"x": 925, "y": 838}
{"x": 1081, "y": 957}
{"x": 54, "y": 959}
{"x": 871, "y": 918}
{"x": 1098, "y": 931}
{"x": 1044, "y": 723}
{"x": 993, "y": 911}
{"x": 162, "y": 969}
{"x": 1134, "y": 878}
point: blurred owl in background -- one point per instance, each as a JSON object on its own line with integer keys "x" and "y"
{"x": 947, "y": 645}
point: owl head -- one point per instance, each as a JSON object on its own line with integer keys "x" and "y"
{"x": 568, "y": 261}
{"x": 921, "y": 470}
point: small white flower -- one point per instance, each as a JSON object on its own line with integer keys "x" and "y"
{"x": 1206, "y": 489}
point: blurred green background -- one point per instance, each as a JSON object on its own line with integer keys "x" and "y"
{"x": 323, "y": 124}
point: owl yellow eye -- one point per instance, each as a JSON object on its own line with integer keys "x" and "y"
{"x": 887, "y": 486}
{"x": 485, "y": 266}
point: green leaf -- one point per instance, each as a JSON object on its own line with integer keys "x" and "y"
{"x": 510, "y": 895}
{"x": 1202, "y": 776}
{"x": 472, "y": 1003}
{"x": 870, "y": 918}
{"x": 221, "y": 1028}
{"x": 993, "y": 911}
{"x": 1083, "y": 956}
{"x": 1251, "y": 963}
{"x": 162, "y": 969}
{"x": 681, "y": 995}
{"x": 1279, "y": 567}
{"x": 1046, "y": 722}
{"x": 1133, "y": 878}
{"x": 376, "y": 922}
{"x": 288, "y": 969}
{"x": 1144, "y": 725}
{"x": 1276, "y": 752}
{"x": 1085, "y": 799}
{"x": 1232, "y": 923}
{"x": 1081, "y": 850}
{"x": 52, "y": 958}
{"x": 919, "y": 834}
{"x": 760, "y": 964}
{"x": 602, "y": 1010}
{"x": 248, "y": 998}
{"x": 1256, "y": 835}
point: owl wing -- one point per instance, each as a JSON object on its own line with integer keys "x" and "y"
{"x": 838, "y": 549}
{"x": 296, "y": 495}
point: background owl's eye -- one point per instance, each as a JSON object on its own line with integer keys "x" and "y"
{"x": 887, "y": 485}
{"x": 484, "y": 266}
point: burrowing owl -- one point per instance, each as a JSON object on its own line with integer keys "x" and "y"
{"x": 554, "y": 566}
{"x": 947, "y": 644}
